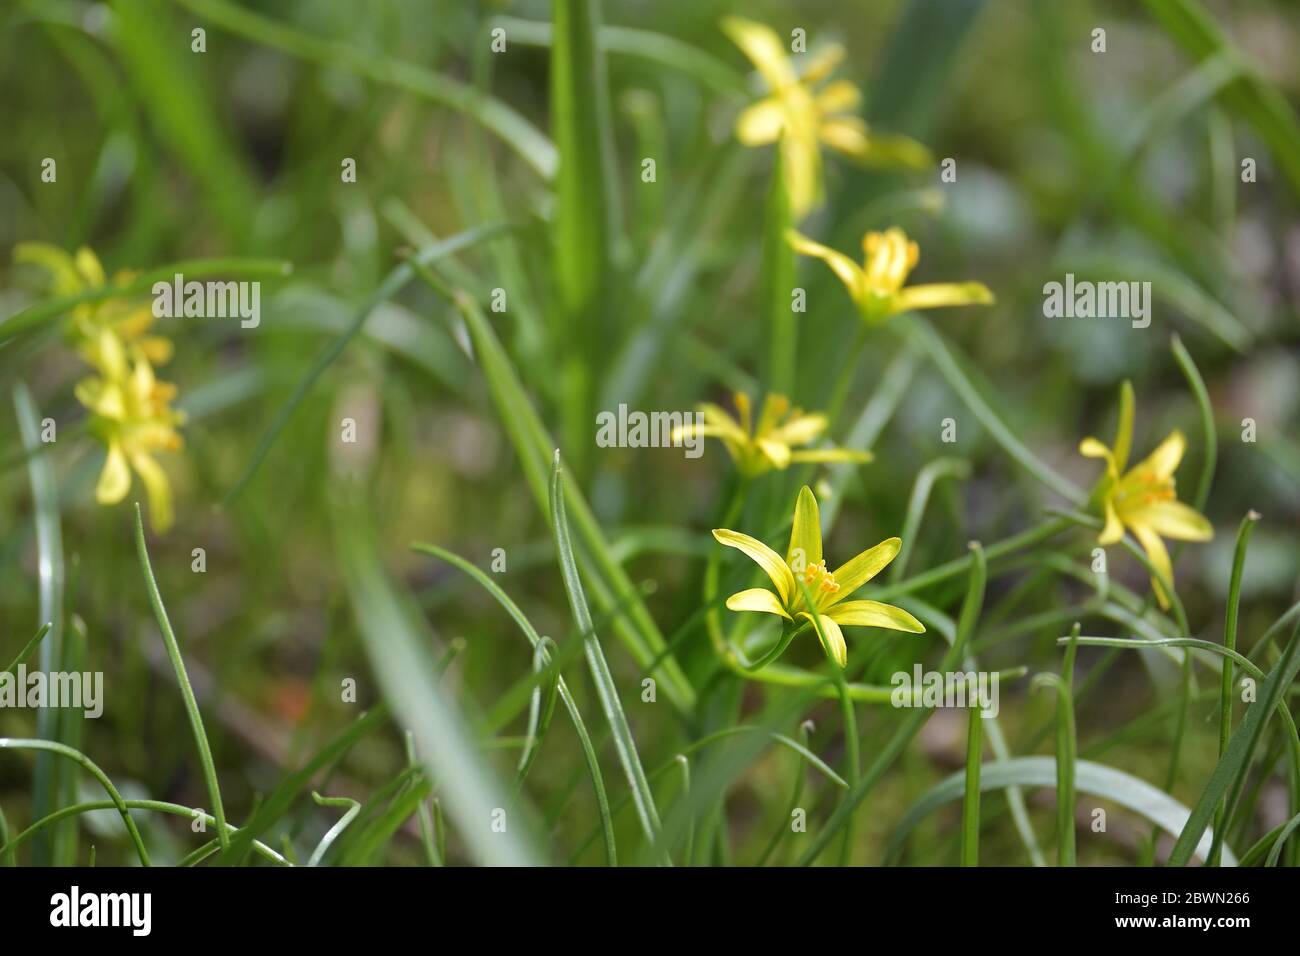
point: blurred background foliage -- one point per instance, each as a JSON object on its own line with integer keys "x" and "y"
{"x": 1122, "y": 164}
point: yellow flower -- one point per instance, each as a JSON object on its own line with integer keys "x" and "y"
{"x": 827, "y": 590}
{"x": 82, "y": 272}
{"x": 804, "y": 118}
{"x": 1143, "y": 498}
{"x": 769, "y": 443}
{"x": 877, "y": 286}
{"x": 134, "y": 418}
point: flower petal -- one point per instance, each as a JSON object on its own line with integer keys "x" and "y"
{"x": 1159, "y": 557}
{"x": 876, "y": 614}
{"x": 1173, "y": 519}
{"x": 1113, "y": 531}
{"x": 859, "y": 456}
{"x": 763, "y": 556}
{"x": 778, "y": 453}
{"x": 841, "y": 96}
{"x": 822, "y": 63}
{"x": 831, "y": 636}
{"x": 849, "y": 272}
{"x": 848, "y": 136}
{"x": 858, "y": 571}
{"x": 763, "y": 47}
{"x": 159, "y": 488}
{"x": 757, "y": 599}
{"x": 761, "y": 123}
{"x": 800, "y": 430}
{"x": 1163, "y": 462}
{"x": 940, "y": 295}
{"x": 115, "y": 480}
{"x": 806, "y": 532}
{"x": 889, "y": 149}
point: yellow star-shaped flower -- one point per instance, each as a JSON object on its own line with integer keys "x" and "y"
{"x": 134, "y": 418}
{"x": 827, "y": 589}
{"x": 1143, "y": 499}
{"x": 773, "y": 441}
{"x": 877, "y": 286}
{"x": 804, "y": 118}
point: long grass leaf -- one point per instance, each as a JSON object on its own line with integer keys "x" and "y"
{"x": 606, "y": 689}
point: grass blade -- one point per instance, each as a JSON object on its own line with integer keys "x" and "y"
{"x": 579, "y": 725}
{"x": 1233, "y": 765}
{"x": 182, "y": 678}
{"x": 606, "y": 689}
{"x": 51, "y": 577}
{"x": 391, "y": 635}
{"x": 1095, "y": 779}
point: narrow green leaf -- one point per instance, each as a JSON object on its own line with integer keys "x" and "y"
{"x": 398, "y": 652}
{"x": 1234, "y": 764}
{"x": 606, "y": 689}
{"x": 1095, "y": 779}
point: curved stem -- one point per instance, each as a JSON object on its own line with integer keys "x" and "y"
{"x": 50, "y": 746}
{"x": 182, "y": 678}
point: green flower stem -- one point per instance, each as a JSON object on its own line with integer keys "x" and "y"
{"x": 49, "y": 746}
{"x": 970, "y": 806}
{"x": 182, "y": 678}
{"x": 332, "y": 834}
{"x": 156, "y": 805}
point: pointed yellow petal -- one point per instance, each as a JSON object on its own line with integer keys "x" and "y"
{"x": 757, "y": 599}
{"x": 849, "y": 272}
{"x": 800, "y": 430}
{"x": 832, "y": 638}
{"x": 778, "y": 453}
{"x": 53, "y": 260}
{"x": 761, "y": 123}
{"x": 941, "y": 295}
{"x": 1159, "y": 557}
{"x": 822, "y": 63}
{"x": 854, "y": 573}
{"x": 764, "y": 557}
{"x": 115, "y": 480}
{"x": 775, "y": 405}
{"x": 839, "y": 97}
{"x": 1173, "y": 519}
{"x": 745, "y": 409}
{"x": 763, "y": 47}
{"x": 846, "y": 135}
{"x": 159, "y": 488}
{"x": 1163, "y": 462}
{"x": 832, "y": 455}
{"x": 1124, "y": 428}
{"x": 1113, "y": 532}
{"x": 806, "y": 532}
{"x": 875, "y": 614}
{"x": 899, "y": 151}
{"x": 92, "y": 273}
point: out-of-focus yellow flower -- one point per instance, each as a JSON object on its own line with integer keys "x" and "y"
{"x": 827, "y": 589}
{"x": 1143, "y": 499}
{"x": 771, "y": 442}
{"x": 131, "y": 409}
{"x": 134, "y": 418}
{"x": 877, "y": 286}
{"x": 804, "y": 118}
{"x": 80, "y": 272}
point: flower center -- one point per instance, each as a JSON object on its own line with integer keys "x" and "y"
{"x": 1141, "y": 488}
{"x": 820, "y": 581}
